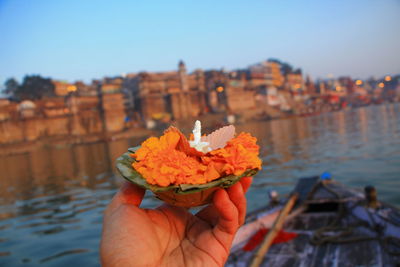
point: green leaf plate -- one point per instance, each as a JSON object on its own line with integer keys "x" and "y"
{"x": 124, "y": 166}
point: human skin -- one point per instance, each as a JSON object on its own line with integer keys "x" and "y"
{"x": 169, "y": 235}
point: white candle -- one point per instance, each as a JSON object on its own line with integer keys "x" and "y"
{"x": 197, "y": 143}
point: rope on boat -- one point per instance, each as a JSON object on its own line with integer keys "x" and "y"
{"x": 346, "y": 234}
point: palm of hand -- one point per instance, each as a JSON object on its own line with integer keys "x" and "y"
{"x": 171, "y": 236}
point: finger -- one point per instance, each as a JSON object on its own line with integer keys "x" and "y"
{"x": 208, "y": 214}
{"x": 246, "y": 183}
{"x": 238, "y": 198}
{"x": 128, "y": 194}
{"x": 228, "y": 215}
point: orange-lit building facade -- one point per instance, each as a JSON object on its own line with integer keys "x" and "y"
{"x": 294, "y": 81}
{"x": 276, "y": 75}
{"x": 265, "y": 74}
{"x": 62, "y": 88}
{"x": 176, "y": 93}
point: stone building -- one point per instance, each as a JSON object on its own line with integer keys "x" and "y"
{"x": 177, "y": 93}
{"x": 346, "y": 85}
{"x": 265, "y": 74}
{"x": 233, "y": 92}
{"x": 113, "y": 111}
{"x": 240, "y": 96}
{"x": 87, "y": 89}
{"x": 27, "y": 109}
{"x": 294, "y": 81}
{"x": 311, "y": 89}
{"x": 111, "y": 85}
{"x": 276, "y": 74}
{"x": 5, "y": 107}
{"x": 216, "y": 83}
{"x": 62, "y": 88}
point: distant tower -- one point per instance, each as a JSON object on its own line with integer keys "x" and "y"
{"x": 322, "y": 87}
{"x": 183, "y": 76}
{"x": 310, "y": 85}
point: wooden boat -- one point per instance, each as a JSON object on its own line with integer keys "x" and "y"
{"x": 334, "y": 226}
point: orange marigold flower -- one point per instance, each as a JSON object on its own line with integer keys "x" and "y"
{"x": 248, "y": 141}
{"x": 154, "y": 145}
{"x": 162, "y": 161}
{"x": 233, "y": 160}
{"x": 239, "y": 155}
{"x": 170, "y": 166}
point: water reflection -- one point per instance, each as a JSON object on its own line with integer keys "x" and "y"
{"x": 51, "y": 199}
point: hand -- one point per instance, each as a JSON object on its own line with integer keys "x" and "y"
{"x": 168, "y": 235}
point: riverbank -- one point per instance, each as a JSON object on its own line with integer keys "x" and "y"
{"x": 209, "y": 122}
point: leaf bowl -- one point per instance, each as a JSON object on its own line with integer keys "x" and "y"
{"x": 183, "y": 195}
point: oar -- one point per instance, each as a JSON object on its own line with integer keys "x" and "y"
{"x": 304, "y": 188}
{"x": 276, "y": 227}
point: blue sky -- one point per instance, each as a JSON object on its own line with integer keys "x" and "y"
{"x": 80, "y": 40}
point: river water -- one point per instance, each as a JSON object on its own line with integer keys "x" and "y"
{"x": 52, "y": 199}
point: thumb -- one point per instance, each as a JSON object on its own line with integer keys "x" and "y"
{"x": 129, "y": 194}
